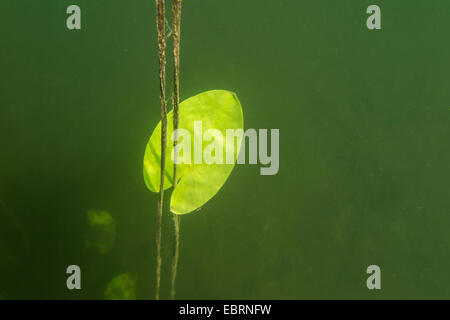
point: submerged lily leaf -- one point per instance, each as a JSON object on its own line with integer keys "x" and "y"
{"x": 102, "y": 231}
{"x": 198, "y": 182}
{"x": 122, "y": 287}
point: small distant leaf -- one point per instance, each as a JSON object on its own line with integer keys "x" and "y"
{"x": 101, "y": 232}
{"x": 198, "y": 183}
{"x": 122, "y": 287}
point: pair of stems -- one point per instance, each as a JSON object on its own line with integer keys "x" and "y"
{"x": 160, "y": 22}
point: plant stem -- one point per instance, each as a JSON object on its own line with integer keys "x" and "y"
{"x": 160, "y": 23}
{"x": 176, "y": 101}
{"x": 176, "y": 254}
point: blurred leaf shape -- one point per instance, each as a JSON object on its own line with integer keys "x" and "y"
{"x": 13, "y": 241}
{"x": 122, "y": 287}
{"x": 198, "y": 183}
{"x": 101, "y": 232}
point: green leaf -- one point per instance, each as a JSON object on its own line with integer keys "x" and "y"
{"x": 122, "y": 287}
{"x": 101, "y": 232}
{"x": 198, "y": 183}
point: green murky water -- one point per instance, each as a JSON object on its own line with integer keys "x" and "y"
{"x": 364, "y": 153}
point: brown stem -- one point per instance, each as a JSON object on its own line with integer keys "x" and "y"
{"x": 160, "y": 23}
{"x": 176, "y": 102}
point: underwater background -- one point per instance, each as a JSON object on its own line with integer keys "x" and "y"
{"x": 364, "y": 150}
